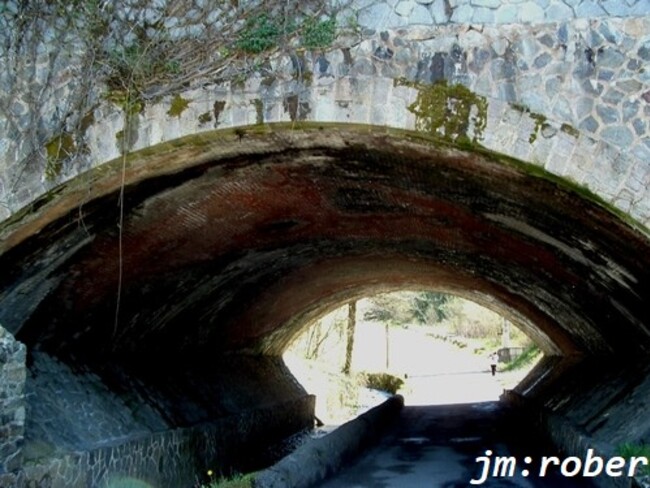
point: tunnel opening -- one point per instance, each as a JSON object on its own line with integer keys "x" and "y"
{"x": 232, "y": 242}
{"x": 430, "y": 347}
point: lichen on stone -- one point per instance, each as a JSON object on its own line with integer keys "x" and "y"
{"x": 178, "y": 106}
{"x": 569, "y": 129}
{"x": 129, "y": 101}
{"x": 259, "y": 110}
{"x": 448, "y": 110}
{"x": 540, "y": 123}
{"x": 205, "y": 117}
{"x": 540, "y": 120}
{"x": 58, "y": 150}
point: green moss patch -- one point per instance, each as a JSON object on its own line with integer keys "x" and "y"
{"x": 178, "y": 106}
{"x": 259, "y": 110}
{"x": 58, "y": 150}
{"x": 205, "y": 118}
{"x": 569, "y": 129}
{"x": 129, "y": 101}
{"x": 447, "y": 111}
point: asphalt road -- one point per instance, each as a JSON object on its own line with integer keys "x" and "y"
{"x": 437, "y": 446}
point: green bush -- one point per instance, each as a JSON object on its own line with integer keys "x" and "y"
{"x": 382, "y": 381}
{"x": 629, "y": 450}
{"x": 530, "y": 354}
{"x": 319, "y": 34}
{"x": 237, "y": 481}
{"x": 258, "y": 35}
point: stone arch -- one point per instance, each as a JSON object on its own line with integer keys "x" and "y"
{"x": 264, "y": 205}
{"x": 540, "y": 126}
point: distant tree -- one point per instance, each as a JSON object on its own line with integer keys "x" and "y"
{"x": 391, "y": 309}
{"x": 430, "y": 307}
{"x": 394, "y": 308}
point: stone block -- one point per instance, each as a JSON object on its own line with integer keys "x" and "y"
{"x": 486, "y": 3}
{"x": 618, "y": 135}
{"x": 530, "y": 12}
{"x": 375, "y": 16}
{"x": 439, "y": 12}
{"x": 420, "y": 15}
{"x": 589, "y": 9}
{"x": 483, "y": 16}
{"x": 559, "y": 12}
{"x": 462, "y": 14}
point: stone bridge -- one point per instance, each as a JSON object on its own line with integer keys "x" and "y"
{"x": 162, "y": 243}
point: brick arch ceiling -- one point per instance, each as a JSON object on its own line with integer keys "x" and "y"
{"x": 233, "y": 242}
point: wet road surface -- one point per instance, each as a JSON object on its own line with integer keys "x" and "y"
{"x": 437, "y": 446}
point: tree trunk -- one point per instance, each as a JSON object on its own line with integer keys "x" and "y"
{"x": 349, "y": 346}
{"x": 387, "y": 346}
{"x": 505, "y": 335}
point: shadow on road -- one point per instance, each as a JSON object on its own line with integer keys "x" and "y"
{"x": 437, "y": 446}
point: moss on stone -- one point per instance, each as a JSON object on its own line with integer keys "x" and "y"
{"x": 129, "y": 101}
{"x": 259, "y": 110}
{"x": 540, "y": 123}
{"x": 230, "y": 135}
{"x": 178, "y": 106}
{"x": 569, "y": 129}
{"x": 205, "y": 117}
{"x": 58, "y": 150}
{"x": 87, "y": 120}
{"x": 447, "y": 110}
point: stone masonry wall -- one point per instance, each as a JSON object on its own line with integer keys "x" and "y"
{"x": 86, "y": 428}
{"x": 567, "y": 87}
{"x": 178, "y": 458}
{"x": 589, "y": 404}
{"x": 12, "y": 402}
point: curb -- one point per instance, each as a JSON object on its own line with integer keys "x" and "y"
{"x": 319, "y": 458}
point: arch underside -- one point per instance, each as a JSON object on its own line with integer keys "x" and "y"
{"x": 234, "y": 240}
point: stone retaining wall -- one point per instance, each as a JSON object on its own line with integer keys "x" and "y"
{"x": 90, "y": 428}
{"x": 593, "y": 404}
{"x": 12, "y": 402}
{"x": 176, "y": 458}
{"x": 386, "y": 14}
{"x": 314, "y": 461}
{"x": 566, "y": 88}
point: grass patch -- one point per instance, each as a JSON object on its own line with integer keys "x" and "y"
{"x": 236, "y": 481}
{"x": 528, "y": 357}
{"x": 382, "y": 381}
{"x": 178, "y": 106}
{"x": 629, "y": 450}
{"x": 319, "y": 34}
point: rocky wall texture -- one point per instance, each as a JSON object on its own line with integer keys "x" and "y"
{"x": 589, "y": 404}
{"x": 388, "y": 14}
{"x": 317, "y": 459}
{"x": 179, "y": 457}
{"x": 567, "y": 90}
{"x": 166, "y": 428}
{"x": 12, "y": 402}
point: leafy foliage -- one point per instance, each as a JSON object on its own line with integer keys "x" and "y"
{"x": 422, "y": 307}
{"x": 237, "y": 481}
{"x": 319, "y": 34}
{"x": 531, "y": 354}
{"x": 430, "y": 306}
{"x": 383, "y": 382}
{"x": 629, "y": 450}
{"x": 260, "y": 34}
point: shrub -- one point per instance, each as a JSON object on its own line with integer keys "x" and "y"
{"x": 319, "y": 34}
{"x": 382, "y": 381}
{"x": 237, "y": 481}
{"x": 629, "y": 450}
{"x": 258, "y": 35}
